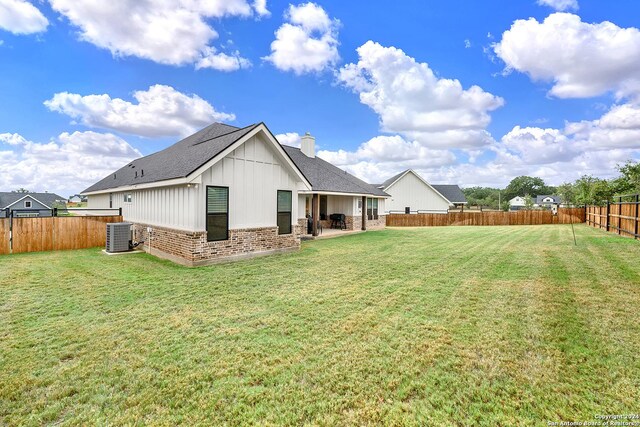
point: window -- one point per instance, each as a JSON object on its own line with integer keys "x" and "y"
{"x": 127, "y": 198}
{"x": 27, "y": 203}
{"x": 284, "y": 212}
{"x": 217, "y": 213}
{"x": 372, "y": 209}
{"x": 110, "y": 200}
{"x": 323, "y": 207}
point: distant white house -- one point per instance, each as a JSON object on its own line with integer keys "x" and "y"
{"x": 410, "y": 193}
{"x": 517, "y": 203}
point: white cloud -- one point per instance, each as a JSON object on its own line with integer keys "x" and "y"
{"x": 66, "y": 164}
{"x": 21, "y": 17}
{"x": 556, "y": 155}
{"x": 260, "y": 6}
{"x": 221, "y": 61}
{"x": 560, "y": 5}
{"x": 307, "y": 43}
{"x": 12, "y": 139}
{"x": 581, "y": 59}
{"x": 159, "y": 111}
{"x": 467, "y": 43}
{"x": 412, "y": 101}
{"x": 174, "y": 32}
{"x": 291, "y": 139}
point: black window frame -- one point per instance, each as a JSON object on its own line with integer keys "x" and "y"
{"x": 207, "y": 214}
{"x": 30, "y": 204}
{"x": 290, "y": 212}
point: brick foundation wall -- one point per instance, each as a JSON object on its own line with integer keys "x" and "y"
{"x": 192, "y": 248}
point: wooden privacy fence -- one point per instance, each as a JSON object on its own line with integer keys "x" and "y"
{"x": 53, "y": 233}
{"x": 618, "y": 217}
{"x": 564, "y": 216}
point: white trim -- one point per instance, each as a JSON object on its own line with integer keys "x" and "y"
{"x": 165, "y": 183}
{"x": 421, "y": 179}
{"x": 28, "y": 195}
{"x": 260, "y": 127}
{"x": 195, "y": 177}
{"x": 336, "y": 193}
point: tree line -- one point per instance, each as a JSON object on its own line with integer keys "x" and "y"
{"x": 587, "y": 189}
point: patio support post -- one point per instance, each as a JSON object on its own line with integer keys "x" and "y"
{"x": 364, "y": 213}
{"x": 315, "y": 214}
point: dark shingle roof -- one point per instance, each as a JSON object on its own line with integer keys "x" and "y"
{"x": 451, "y": 192}
{"x": 176, "y": 161}
{"x": 539, "y": 199}
{"x": 9, "y": 198}
{"x": 391, "y": 180}
{"x": 324, "y": 176}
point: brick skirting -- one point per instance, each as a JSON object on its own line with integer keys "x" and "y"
{"x": 352, "y": 223}
{"x": 191, "y": 247}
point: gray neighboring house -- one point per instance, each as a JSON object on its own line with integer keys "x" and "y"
{"x": 29, "y": 204}
{"x": 545, "y": 201}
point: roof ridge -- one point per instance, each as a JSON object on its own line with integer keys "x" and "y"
{"x": 221, "y": 135}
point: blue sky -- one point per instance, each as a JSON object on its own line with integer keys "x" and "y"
{"x": 473, "y": 93}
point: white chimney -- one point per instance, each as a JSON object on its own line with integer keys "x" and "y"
{"x": 308, "y": 145}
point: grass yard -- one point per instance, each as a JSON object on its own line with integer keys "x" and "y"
{"x": 443, "y": 325}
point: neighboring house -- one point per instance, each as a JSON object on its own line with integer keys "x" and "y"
{"x": 28, "y": 204}
{"x": 517, "y": 203}
{"x": 410, "y": 193}
{"x": 230, "y": 192}
{"x": 77, "y": 198}
{"x": 547, "y": 201}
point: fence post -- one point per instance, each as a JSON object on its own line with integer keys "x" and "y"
{"x": 55, "y": 212}
{"x": 636, "y": 221}
{"x": 608, "y": 208}
{"x": 620, "y": 215}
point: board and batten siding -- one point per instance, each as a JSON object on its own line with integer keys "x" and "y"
{"x": 410, "y": 191}
{"x": 253, "y": 172}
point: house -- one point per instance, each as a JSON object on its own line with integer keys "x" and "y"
{"x": 335, "y": 192}
{"x": 228, "y": 192}
{"x": 546, "y": 201}
{"x": 517, "y": 203}
{"x": 28, "y": 204}
{"x": 77, "y": 198}
{"x": 410, "y": 193}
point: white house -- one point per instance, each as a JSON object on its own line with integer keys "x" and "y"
{"x": 517, "y": 203}
{"x": 231, "y": 192}
{"x": 410, "y": 193}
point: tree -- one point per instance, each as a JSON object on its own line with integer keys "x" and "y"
{"x": 21, "y": 190}
{"x": 629, "y": 181}
{"x": 567, "y": 193}
{"x": 533, "y": 186}
{"x": 482, "y": 196}
{"x": 528, "y": 202}
{"x": 592, "y": 191}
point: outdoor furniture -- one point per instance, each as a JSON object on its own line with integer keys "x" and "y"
{"x": 338, "y": 221}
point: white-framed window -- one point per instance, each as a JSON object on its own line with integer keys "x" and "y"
{"x": 127, "y": 198}
{"x": 27, "y": 204}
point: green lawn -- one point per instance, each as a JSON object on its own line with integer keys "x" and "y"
{"x": 443, "y": 325}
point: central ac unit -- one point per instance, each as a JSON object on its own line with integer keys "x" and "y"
{"x": 118, "y": 236}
